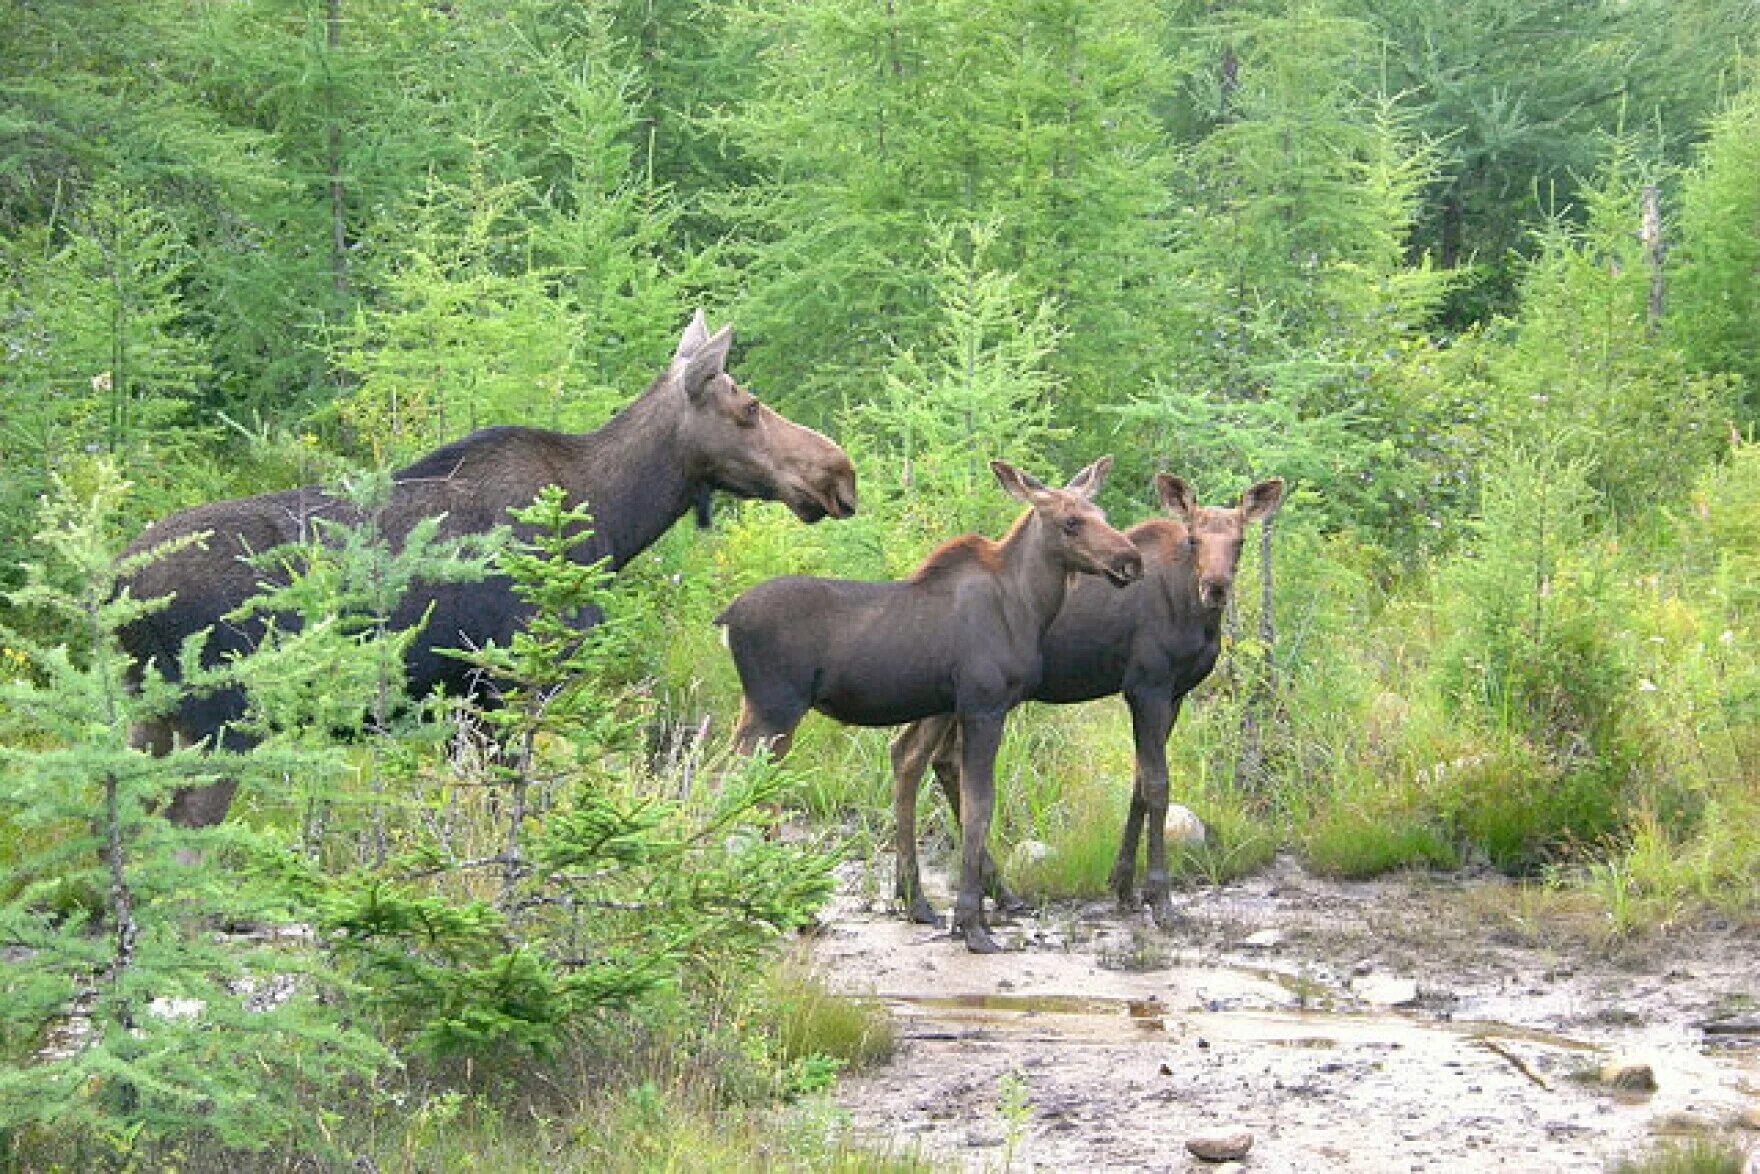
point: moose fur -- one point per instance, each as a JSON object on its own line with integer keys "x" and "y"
{"x": 692, "y": 432}
{"x": 960, "y": 636}
{"x": 1154, "y": 642}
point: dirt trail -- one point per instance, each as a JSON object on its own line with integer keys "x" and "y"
{"x": 1408, "y": 1024}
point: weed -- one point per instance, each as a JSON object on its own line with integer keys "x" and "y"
{"x": 1697, "y": 1155}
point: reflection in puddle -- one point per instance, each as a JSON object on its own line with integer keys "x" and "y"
{"x": 1109, "y": 1019}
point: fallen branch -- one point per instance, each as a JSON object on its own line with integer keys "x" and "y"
{"x": 1516, "y": 1062}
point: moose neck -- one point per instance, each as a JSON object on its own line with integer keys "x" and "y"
{"x": 632, "y": 475}
{"x": 1034, "y": 571}
{"x": 1183, "y": 602}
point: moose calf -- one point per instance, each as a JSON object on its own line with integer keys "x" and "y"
{"x": 959, "y": 637}
{"x": 1153, "y": 642}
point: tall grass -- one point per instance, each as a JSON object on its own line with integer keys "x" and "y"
{"x": 1544, "y": 701}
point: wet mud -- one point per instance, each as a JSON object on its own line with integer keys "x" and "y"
{"x": 1418, "y": 1023}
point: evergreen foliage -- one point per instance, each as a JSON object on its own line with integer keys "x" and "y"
{"x": 124, "y": 1013}
{"x": 1714, "y": 307}
{"x": 603, "y": 892}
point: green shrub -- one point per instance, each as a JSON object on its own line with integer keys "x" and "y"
{"x": 131, "y": 1029}
{"x": 1537, "y": 657}
{"x": 1351, "y": 842}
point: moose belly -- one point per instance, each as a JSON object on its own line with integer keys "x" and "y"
{"x": 882, "y": 703}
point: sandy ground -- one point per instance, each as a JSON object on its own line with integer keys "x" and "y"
{"x": 1415, "y": 1023}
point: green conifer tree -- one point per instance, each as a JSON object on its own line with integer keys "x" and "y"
{"x": 133, "y": 1024}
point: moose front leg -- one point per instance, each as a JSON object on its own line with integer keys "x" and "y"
{"x": 947, "y": 775}
{"x": 1152, "y": 718}
{"x": 980, "y": 736}
{"x": 758, "y": 730}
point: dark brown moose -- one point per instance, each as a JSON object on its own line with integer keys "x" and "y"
{"x": 1153, "y": 642}
{"x": 960, "y": 636}
{"x": 692, "y": 432}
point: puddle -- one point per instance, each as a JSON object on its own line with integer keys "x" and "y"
{"x": 1118, "y": 1067}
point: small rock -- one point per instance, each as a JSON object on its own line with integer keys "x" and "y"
{"x": 1628, "y": 1076}
{"x": 1265, "y": 939}
{"x": 1184, "y": 829}
{"x": 1386, "y": 990}
{"x": 983, "y": 1139}
{"x": 1220, "y": 1147}
{"x": 1028, "y": 853}
{"x": 171, "y": 1007}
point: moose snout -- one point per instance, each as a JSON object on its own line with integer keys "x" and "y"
{"x": 1127, "y": 568}
{"x": 1214, "y": 592}
{"x": 840, "y": 498}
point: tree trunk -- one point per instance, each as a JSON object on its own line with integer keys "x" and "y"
{"x": 1650, "y": 232}
{"x": 1259, "y": 704}
{"x": 338, "y": 191}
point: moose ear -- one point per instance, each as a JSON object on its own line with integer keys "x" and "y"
{"x": 1089, "y": 480}
{"x": 708, "y": 361}
{"x": 1018, "y": 482}
{"x": 1262, "y": 500}
{"x": 694, "y": 336}
{"x": 1176, "y": 494}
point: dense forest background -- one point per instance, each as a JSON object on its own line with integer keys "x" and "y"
{"x": 1480, "y": 279}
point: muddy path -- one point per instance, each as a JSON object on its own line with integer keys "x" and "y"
{"x": 1416, "y": 1023}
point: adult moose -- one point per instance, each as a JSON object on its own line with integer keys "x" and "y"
{"x": 960, "y": 636}
{"x": 1153, "y": 642}
{"x": 692, "y": 432}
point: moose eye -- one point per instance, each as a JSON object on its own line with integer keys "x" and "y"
{"x": 749, "y": 414}
{"x": 1072, "y": 525}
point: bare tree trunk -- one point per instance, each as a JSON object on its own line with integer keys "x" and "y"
{"x": 1655, "y": 249}
{"x": 1267, "y": 616}
{"x": 121, "y": 896}
{"x": 338, "y": 192}
{"x": 1260, "y": 702}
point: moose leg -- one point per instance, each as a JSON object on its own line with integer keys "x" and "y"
{"x": 1124, "y": 869}
{"x": 758, "y": 730}
{"x": 980, "y": 735}
{"x": 190, "y": 807}
{"x": 910, "y": 753}
{"x": 947, "y": 776}
{"x": 1152, "y": 718}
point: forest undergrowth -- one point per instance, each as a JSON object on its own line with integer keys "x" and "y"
{"x": 1480, "y": 281}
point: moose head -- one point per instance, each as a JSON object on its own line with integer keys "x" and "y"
{"x": 733, "y": 442}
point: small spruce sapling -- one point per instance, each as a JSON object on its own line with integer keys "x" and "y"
{"x": 128, "y": 1026}
{"x": 603, "y": 893}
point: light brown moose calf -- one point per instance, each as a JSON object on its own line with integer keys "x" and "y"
{"x": 1153, "y": 642}
{"x": 959, "y": 637}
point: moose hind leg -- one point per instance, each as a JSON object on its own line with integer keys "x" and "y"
{"x": 910, "y": 753}
{"x": 947, "y": 776}
{"x": 1123, "y": 880}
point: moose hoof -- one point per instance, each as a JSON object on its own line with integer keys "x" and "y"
{"x": 923, "y": 913}
{"x": 1161, "y": 909}
{"x": 979, "y": 941}
{"x": 1011, "y": 904}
